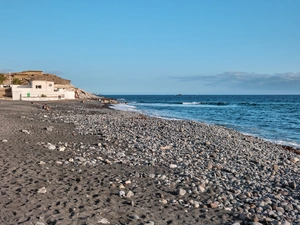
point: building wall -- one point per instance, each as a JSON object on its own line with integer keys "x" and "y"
{"x": 41, "y": 85}
{"x": 40, "y": 90}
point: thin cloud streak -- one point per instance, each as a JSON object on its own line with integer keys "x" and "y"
{"x": 272, "y": 83}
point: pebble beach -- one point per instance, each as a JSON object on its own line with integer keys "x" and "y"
{"x": 81, "y": 162}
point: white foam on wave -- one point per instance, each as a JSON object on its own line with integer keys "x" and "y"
{"x": 191, "y": 103}
{"x": 124, "y": 107}
{"x": 160, "y": 116}
{"x": 288, "y": 143}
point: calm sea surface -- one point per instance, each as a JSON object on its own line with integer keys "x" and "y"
{"x": 272, "y": 117}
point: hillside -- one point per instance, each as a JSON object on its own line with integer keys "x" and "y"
{"x": 49, "y": 77}
{"x": 25, "y": 77}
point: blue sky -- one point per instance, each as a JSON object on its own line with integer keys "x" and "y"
{"x": 157, "y": 46}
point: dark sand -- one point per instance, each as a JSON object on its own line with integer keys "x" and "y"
{"x": 76, "y": 194}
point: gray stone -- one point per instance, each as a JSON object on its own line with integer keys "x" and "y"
{"x": 81, "y": 159}
{"x": 293, "y": 185}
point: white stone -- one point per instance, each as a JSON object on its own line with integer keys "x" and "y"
{"x": 122, "y": 193}
{"x": 42, "y": 190}
{"x": 172, "y": 166}
{"x": 201, "y": 189}
{"x": 152, "y": 175}
{"x": 129, "y": 194}
{"x": 61, "y": 148}
{"x": 128, "y": 182}
{"x": 25, "y": 132}
{"x": 51, "y": 147}
{"x": 163, "y": 201}
{"x": 4, "y": 140}
{"x": 182, "y": 192}
{"x": 295, "y": 160}
{"x": 39, "y": 223}
{"x": 103, "y": 221}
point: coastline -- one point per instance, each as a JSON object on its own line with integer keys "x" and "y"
{"x": 129, "y": 108}
{"x": 100, "y": 165}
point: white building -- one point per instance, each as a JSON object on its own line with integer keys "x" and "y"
{"x": 40, "y": 90}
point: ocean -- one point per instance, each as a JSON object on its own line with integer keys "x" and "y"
{"x": 275, "y": 118}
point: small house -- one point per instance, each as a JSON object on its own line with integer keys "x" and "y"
{"x": 40, "y": 90}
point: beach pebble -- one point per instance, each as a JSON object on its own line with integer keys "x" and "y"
{"x": 134, "y": 216}
{"x": 181, "y": 191}
{"x": 172, "y": 166}
{"x": 165, "y": 147}
{"x": 163, "y": 201}
{"x": 129, "y": 194}
{"x": 81, "y": 159}
{"x": 4, "y": 140}
{"x": 42, "y": 163}
{"x": 295, "y": 160}
{"x": 152, "y": 175}
{"x": 128, "y": 182}
{"x": 39, "y": 223}
{"x": 214, "y": 205}
{"x": 201, "y": 189}
{"x": 25, "y": 131}
{"x": 61, "y": 148}
{"x": 49, "y": 128}
{"x": 103, "y": 221}
{"x": 122, "y": 193}
{"x": 51, "y": 146}
{"x": 42, "y": 190}
{"x": 293, "y": 185}
{"x": 149, "y": 223}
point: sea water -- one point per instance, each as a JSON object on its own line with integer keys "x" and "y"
{"x": 272, "y": 117}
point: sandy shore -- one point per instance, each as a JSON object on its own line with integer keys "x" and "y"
{"x": 82, "y": 163}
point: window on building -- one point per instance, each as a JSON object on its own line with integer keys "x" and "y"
{"x": 50, "y": 85}
{"x": 38, "y": 86}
